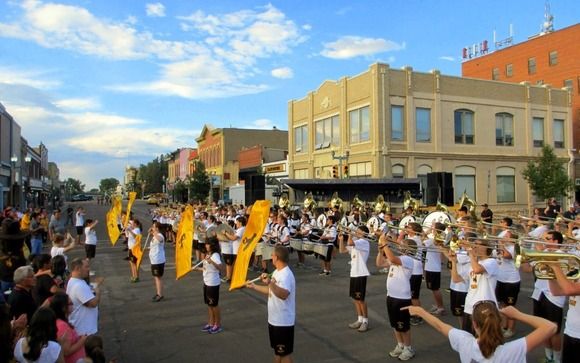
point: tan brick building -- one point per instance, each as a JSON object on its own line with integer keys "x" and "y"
{"x": 403, "y": 124}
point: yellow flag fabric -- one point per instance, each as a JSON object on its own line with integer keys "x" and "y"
{"x": 112, "y": 227}
{"x": 252, "y": 234}
{"x": 183, "y": 243}
{"x": 132, "y": 196}
{"x": 137, "y": 251}
{"x": 117, "y": 204}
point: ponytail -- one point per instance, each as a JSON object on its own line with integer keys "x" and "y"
{"x": 488, "y": 322}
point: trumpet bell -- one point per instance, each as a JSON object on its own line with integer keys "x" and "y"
{"x": 222, "y": 229}
{"x": 568, "y": 263}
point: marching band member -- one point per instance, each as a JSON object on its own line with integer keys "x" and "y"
{"x": 328, "y": 237}
{"x": 133, "y": 229}
{"x": 398, "y": 294}
{"x": 489, "y": 345}
{"x": 306, "y": 226}
{"x": 508, "y": 280}
{"x": 547, "y": 305}
{"x": 359, "y": 250}
{"x": 561, "y": 286}
{"x": 433, "y": 268}
{"x": 282, "y": 232}
{"x": 460, "y": 265}
{"x": 157, "y": 258}
{"x": 227, "y": 249}
{"x": 414, "y": 230}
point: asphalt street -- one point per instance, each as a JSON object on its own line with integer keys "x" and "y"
{"x": 136, "y": 329}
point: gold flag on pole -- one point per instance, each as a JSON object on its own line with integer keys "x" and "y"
{"x": 132, "y": 196}
{"x": 112, "y": 227}
{"x": 183, "y": 243}
{"x": 137, "y": 251}
{"x": 252, "y": 234}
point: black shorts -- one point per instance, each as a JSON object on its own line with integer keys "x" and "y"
{"x": 328, "y": 256}
{"x": 229, "y": 259}
{"x": 507, "y": 293}
{"x": 132, "y": 257}
{"x": 80, "y": 230}
{"x": 157, "y": 270}
{"x": 90, "y": 251}
{"x": 545, "y": 309}
{"x": 399, "y": 319}
{"x": 570, "y": 347}
{"x": 416, "y": 286}
{"x": 358, "y": 288}
{"x": 457, "y": 302}
{"x": 198, "y": 246}
{"x": 467, "y": 324}
{"x": 281, "y": 339}
{"x": 211, "y": 295}
{"x": 433, "y": 280}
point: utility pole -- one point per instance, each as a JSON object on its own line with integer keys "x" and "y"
{"x": 340, "y": 159}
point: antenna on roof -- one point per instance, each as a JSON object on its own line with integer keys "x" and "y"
{"x": 548, "y": 24}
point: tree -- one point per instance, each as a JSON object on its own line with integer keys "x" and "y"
{"x": 73, "y": 186}
{"x": 151, "y": 175}
{"x": 547, "y": 175}
{"x": 107, "y": 185}
{"x": 199, "y": 182}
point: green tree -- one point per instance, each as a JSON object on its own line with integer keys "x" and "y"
{"x": 547, "y": 175}
{"x": 199, "y": 182}
{"x": 107, "y": 185}
{"x": 151, "y": 175}
{"x": 73, "y": 186}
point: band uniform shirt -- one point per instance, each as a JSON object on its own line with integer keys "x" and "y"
{"x": 463, "y": 267}
{"x": 399, "y": 279}
{"x": 466, "y": 345}
{"x": 482, "y": 286}
{"x": 433, "y": 257}
{"x": 211, "y": 274}
{"x": 507, "y": 268}
{"x": 157, "y": 249}
{"x": 283, "y": 312}
{"x": 359, "y": 255}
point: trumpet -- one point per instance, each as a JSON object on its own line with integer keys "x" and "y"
{"x": 345, "y": 230}
{"x": 569, "y": 263}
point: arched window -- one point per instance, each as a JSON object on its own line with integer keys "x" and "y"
{"x": 504, "y": 129}
{"x": 398, "y": 171}
{"x": 505, "y": 184}
{"x": 464, "y": 127}
{"x": 465, "y": 182}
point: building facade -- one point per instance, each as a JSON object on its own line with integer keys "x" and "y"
{"x": 390, "y": 123}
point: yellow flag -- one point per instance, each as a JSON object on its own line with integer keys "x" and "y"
{"x": 183, "y": 243}
{"x": 112, "y": 227}
{"x": 137, "y": 251}
{"x": 117, "y": 204}
{"x": 132, "y": 196}
{"x": 252, "y": 234}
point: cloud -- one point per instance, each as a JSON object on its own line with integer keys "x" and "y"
{"x": 27, "y": 77}
{"x": 283, "y": 73}
{"x": 155, "y": 10}
{"x": 78, "y": 103}
{"x": 343, "y": 11}
{"x": 261, "y": 124}
{"x": 354, "y": 46}
{"x": 447, "y": 58}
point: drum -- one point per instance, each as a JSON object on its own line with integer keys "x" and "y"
{"x": 296, "y": 243}
{"x": 373, "y": 224}
{"x": 406, "y": 220}
{"x": 265, "y": 250}
{"x": 321, "y": 249}
{"x": 434, "y": 217}
{"x": 308, "y": 246}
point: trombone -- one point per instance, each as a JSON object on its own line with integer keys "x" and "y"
{"x": 341, "y": 230}
{"x": 568, "y": 262}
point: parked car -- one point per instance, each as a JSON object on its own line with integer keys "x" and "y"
{"x": 153, "y": 201}
{"x": 81, "y": 198}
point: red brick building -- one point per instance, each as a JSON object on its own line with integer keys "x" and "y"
{"x": 552, "y": 58}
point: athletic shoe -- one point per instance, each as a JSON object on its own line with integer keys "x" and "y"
{"x": 134, "y": 279}
{"x": 508, "y": 333}
{"x": 215, "y": 329}
{"x": 439, "y": 312}
{"x": 322, "y": 273}
{"x": 299, "y": 265}
{"x": 154, "y": 297}
{"x": 396, "y": 352}
{"x": 223, "y": 279}
{"x": 384, "y": 270}
{"x": 407, "y": 353}
{"x": 355, "y": 325}
{"x": 363, "y": 327}
{"x": 158, "y": 298}
{"x": 433, "y": 308}
{"x": 206, "y": 328}
{"x": 415, "y": 320}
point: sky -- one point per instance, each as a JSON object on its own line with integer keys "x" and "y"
{"x": 104, "y": 84}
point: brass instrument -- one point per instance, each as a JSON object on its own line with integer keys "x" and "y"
{"x": 569, "y": 263}
{"x": 465, "y": 201}
{"x": 380, "y": 206}
{"x": 284, "y": 202}
{"x": 345, "y": 230}
{"x": 222, "y": 230}
{"x": 336, "y": 201}
{"x": 309, "y": 202}
{"x": 410, "y": 202}
{"x": 357, "y": 203}
{"x": 441, "y": 207}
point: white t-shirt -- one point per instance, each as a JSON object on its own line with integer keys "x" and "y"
{"x": 90, "y": 236}
{"x": 80, "y": 219}
{"x": 572, "y": 328}
{"x": 236, "y": 244}
{"x": 83, "y": 318}
{"x": 466, "y": 345}
{"x": 463, "y": 268}
{"x": 283, "y": 312}
{"x": 131, "y": 238}
{"x": 543, "y": 287}
{"x": 283, "y": 235}
{"x": 433, "y": 257}
{"x": 48, "y": 354}
{"x": 507, "y": 267}
{"x": 226, "y": 247}
{"x": 418, "y": 260}
{"x": 359, "y": 255}
{"x": 398, "y": 281}
{"x": 539, "y": 231}
{"x": 481, "y": 286}
{"x": 211, "y": 274}
{"x": 157, "y": 249}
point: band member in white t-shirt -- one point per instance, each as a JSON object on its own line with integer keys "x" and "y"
{"x": 157, "y": 259}
{"x": 433, "y": 267}
{"x": 508, "y": 279}
{"x": 329, "y": 237}
{"x": 359, "y": 250}
{"x": 90, "y": 238}
{"x": 212, "y": 267}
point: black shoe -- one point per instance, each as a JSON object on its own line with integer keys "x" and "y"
{"x": 125, "y": 249}
{"x": 126, "y": 258}
{"x": 158, "y": 298}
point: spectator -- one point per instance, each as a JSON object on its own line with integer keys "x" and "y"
{"x": 39, "y": 344}
{"x": 11, "y": 254}
{"x": 45, "y": 285}
{"x": 56, "y": 225}
{"x": 486, "y": 214}
{"x": 73, "y": 344}
{"x": 85, "y": 313}
{"x": 21, "y": 300}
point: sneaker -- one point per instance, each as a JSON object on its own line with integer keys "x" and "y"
{"x": 508, "y": 333}
{"x": 134, "y": 279}
{"x": 223, "y": 279}
{"x": 322, "y": 273}
{"x": 433, "y": 309}
{"x": 355, "y": 325}
{"x": 299, "y": 265}
{"x": 439, "y": 312}
{"x": 396, "y": 352}
{"x": 206, "y": 328}
{"x": 415, "y": 320}
{"x": 407, "y": 353}
{"x": 215, "y": 329}
{"x": 158, "y": 298}
{"x": 154, "y": 297}
{"x": 384, "y": 270}
{"x": 363, "y": 327}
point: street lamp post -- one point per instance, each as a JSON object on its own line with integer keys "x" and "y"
{"x": 13, "y": 161}
{"x": 340, "y": 159}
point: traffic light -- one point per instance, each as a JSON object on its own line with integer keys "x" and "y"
{"x": 335, "y": 171}
{"x": 345, "y": 171}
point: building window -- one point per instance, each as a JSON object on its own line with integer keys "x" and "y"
{"x": 538, "y": 131}
{"x": 464, "y": 133}
{"x": 301, "y": 139}
{"x": 464, "y": 182}
{"x": 558, "y": 134}
{"x": 531, "y": 65}
{"x": 509, "y": 70}
{"x": 360, "y": 125}
{"x": 553, "y": 58}
{"x": 397, "y": 123}
{"x": 359, "y": 170}
{"x": 495, "y": 74}
{"x": 301, "y": 174}
{"x": 423, "y": 124}
{"x": 327, "y": 132}
{"x": 504, "y": 129}
{"x": 569, "y": 83}
{"x": 506, "y": 185}
{"x": 422, "y": 172}
{"x": 398, "y": 171}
